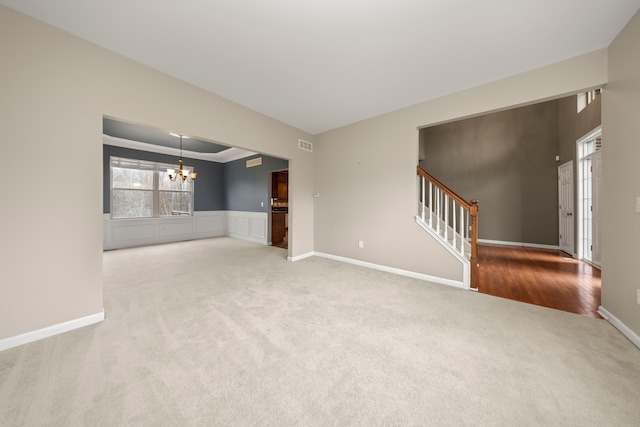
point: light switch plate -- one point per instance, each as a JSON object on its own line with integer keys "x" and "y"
{"x": 638, "y": 204}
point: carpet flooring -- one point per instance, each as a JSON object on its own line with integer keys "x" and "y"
{"x": 226, "y": 332}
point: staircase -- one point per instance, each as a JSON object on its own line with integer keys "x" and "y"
{"x": 452, "y": 220}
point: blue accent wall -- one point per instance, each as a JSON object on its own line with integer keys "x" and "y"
{"x": 247, "y": 187}
{"x": 209, "y": 188}
{"x": 219, "y": 186}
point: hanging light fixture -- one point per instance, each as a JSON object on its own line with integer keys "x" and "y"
{"x": 182, "y": 173}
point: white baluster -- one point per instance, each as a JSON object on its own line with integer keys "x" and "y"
{"x": 423, "y": 198}
{"x": 468, "y": 226}
{"x": 438, "y": 209}
{"x": 453, "y": 224}
{"x": 446, "y": 216}
{"x": 462, "y": 229}
{"x": 430, "y": 204}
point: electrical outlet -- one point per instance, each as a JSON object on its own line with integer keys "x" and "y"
{"x": 638, "y": 296}
{"x": 262, "y": 204}
{"x": 361, "y": 244}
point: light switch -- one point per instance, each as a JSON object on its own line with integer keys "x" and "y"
{"x": 638, "y": 204}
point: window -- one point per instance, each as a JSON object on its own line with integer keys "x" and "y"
{"x": 587, "y": 98}
{"x": 142, "y": 189}
{"x": 589, "y": 191}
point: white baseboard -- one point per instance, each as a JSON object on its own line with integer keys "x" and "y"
{"x": 50, "y": 331}
{"x": 300, "y": 257}
{"x": 524, "y": 245}
{"x": 616, "y": 323}
{"x": 393, "y": 270}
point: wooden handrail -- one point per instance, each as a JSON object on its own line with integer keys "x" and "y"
{"x": 445, "y": 189}
{"x": 472, "y": 207}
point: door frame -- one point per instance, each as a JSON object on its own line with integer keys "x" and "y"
{"x": 562, "y": 214}
{"x": 580, "y": 196}
{"x": 270, "y": 207}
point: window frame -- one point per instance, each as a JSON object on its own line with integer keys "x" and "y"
{"x": 157, "y": 168}
{"x": 586, "y": 98}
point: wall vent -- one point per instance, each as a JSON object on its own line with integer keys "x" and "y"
{"x": 254, "y": 162}
{"x": 305, "y": 145}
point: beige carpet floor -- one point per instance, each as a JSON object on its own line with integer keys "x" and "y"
{"x": 225, "y": 332}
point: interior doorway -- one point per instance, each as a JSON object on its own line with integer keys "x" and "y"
{"x": 280, "y": 209}
{"x": 566, "y": 220}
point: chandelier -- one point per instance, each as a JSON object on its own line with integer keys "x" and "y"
{"x": 182, "y": 173}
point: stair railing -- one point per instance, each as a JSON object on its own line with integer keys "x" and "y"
{"x": 454, "y": 219}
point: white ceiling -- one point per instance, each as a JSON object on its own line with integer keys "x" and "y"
{"x": 322, "y": 64}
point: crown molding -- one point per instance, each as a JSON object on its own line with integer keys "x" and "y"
{"x": 228, "y": 155}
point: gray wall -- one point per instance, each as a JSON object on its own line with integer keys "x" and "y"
{"x": 219, "y": 186}
{"x": 506, "y": 160}
{"x": 247, "y": 187}
{"x": 209, "y": 187}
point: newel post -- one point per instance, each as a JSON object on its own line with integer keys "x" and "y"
{"x": 473, "y": 213}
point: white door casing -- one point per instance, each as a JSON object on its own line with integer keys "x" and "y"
{"x": 566, "y": 219}
{"x": 596, "y": 188}
{"x": 588, "y": 212}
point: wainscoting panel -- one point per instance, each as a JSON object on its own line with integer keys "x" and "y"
{"x": 212, "y": 224}
{"x": 124, "y": 233}
{"x": 242, "y": 225}
{"x": 247, "y": 226}
{"x": 136, "y": 231}
{"x": 177, "y": 228}
{"x": 258, "y": 228}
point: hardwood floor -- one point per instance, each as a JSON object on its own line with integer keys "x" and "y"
{"x": 549, "y": 278}
{"x": 285, "y": 242}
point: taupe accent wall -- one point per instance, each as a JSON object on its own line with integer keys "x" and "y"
{"x": 506, "y": 161}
